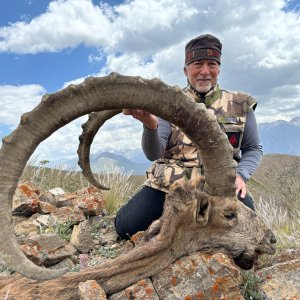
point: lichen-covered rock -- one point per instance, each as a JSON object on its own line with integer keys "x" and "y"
{"x": 90, "y": 290}
{"x": 27, "y": 227}
{"x": 199, "y": 276}
{"x": 47, "y": 249}
{"x": 91, "y": 205}
{"x": 66, "y": 200}
{"x": 52, "y": 195}
{"x": 46, "y": 208}
{"x": 90, "y": 200}
{"x": 45, "y": 220}
{"x": 26, "y": 200}
{"x": 143, "y": 289}
{"x": 282, "y": 280}
{"x": 81, "y": 237}
{"x": 68, "y": 214}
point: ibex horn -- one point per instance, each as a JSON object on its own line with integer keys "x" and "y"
{"x": 90, "y": 128}
{"x": 97, "y": 94}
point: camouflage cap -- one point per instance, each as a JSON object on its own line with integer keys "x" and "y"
{"x": 205, "y": 46}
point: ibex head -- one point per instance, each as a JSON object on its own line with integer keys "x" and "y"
{"x": 213, "y": 223}
{"x": 217, "y": 209}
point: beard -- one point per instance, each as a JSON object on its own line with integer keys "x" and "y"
{"x": 203, "y": 88}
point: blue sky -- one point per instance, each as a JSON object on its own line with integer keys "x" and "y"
{"x": 45, "y": 45}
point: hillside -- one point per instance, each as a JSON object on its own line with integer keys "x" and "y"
{"x": 278, "y": 179}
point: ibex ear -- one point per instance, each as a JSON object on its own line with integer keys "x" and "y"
{"x": 203, "y": 210}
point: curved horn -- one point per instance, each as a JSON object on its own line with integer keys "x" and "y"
{"x": 90, "y": 128}
{"x": 106, "y": 93}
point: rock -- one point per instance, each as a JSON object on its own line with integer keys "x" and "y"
{"x": 83, "y": 261}
{"x": 66, "y": 200}
{"x": 68, "y": 214}
{"x": 48, "y": 198}
{"x": 90, "y": 290}
{"x": 143, "y": 289}
{"x": 81, "y": 237}
{"x": 199, "y": 276}
{"x": 52, "y": 195}
{"x": 287, "y": 255}
{"x": 26, "y": 228}
{"x": 89, "y": 191}
{"x": 91, "y": 205}
{"x": 47, "y": 249}
{"x": 90, "y": 200}
{"x": 109, "y": 239}
{"x": 66, "y": 263}
{"x": 46, "y": 208}
{"x": 282, "y": 280}
{"x": 57, "y": 191}
{"x": 46, "y": 220}
{"x": 25, "y": 200}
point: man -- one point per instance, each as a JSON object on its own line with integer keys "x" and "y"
{"x": 176, "y": 158}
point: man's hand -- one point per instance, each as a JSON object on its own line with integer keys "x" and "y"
{"x": 149, "y": 120}
{"x": 240, "y": 186}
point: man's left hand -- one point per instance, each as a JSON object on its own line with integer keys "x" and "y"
{"x": 240, "y": 186}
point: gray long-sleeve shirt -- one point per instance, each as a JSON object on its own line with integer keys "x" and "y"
{"x": 155, "y": 141}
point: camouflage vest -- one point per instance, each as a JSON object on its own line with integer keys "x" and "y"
{"x": 181, "y": 160}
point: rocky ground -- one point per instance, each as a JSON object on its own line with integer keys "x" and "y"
{"x": 58, "y": 229}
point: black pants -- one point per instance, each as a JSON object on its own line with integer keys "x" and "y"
{"x": 145, "y": 207}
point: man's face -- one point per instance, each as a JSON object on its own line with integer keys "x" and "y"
{"x": 202, "y": 74}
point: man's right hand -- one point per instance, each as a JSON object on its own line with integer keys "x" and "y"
{"x": 149, "y": 120}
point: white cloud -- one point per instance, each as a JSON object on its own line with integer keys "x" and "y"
{"x": 283, "y": 102}
{"x": 65, "y": 24}
{"x": 118, "y": 133}
{"x": 114, "y": 134}
{"x": 147, "y": 37}
{"x": 15, "y": 100}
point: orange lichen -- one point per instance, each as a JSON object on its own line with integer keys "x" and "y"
{"x": 188, "y": 297}
{"x": 142, "y": 283}
{"x": 221, "y": 280}
{"x": 215, "y": 287}
{"x": 26, "y": 190}
{"x": 173, "y": 281}
{"x": 92, "y": 190}
{"x": 199, "y": 295}
{"x": 94, "y": 284}
{"x": 149, "y": 291}
{"x": 223, "y": 259}
{"x": 206, "y": 256}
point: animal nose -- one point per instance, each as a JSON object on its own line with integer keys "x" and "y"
{"x": 270, "y": 237}
{"x": 273, "y": 239}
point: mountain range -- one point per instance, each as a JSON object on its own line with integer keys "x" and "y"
{"x": 279, "y": 137}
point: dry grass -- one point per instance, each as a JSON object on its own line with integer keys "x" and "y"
{"x": 122, "y": 185}
{"x": 284, "y": 222}
{"x": 45, "y": 178}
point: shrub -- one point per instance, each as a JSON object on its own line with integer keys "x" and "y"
{"x": 251, "y": 287}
